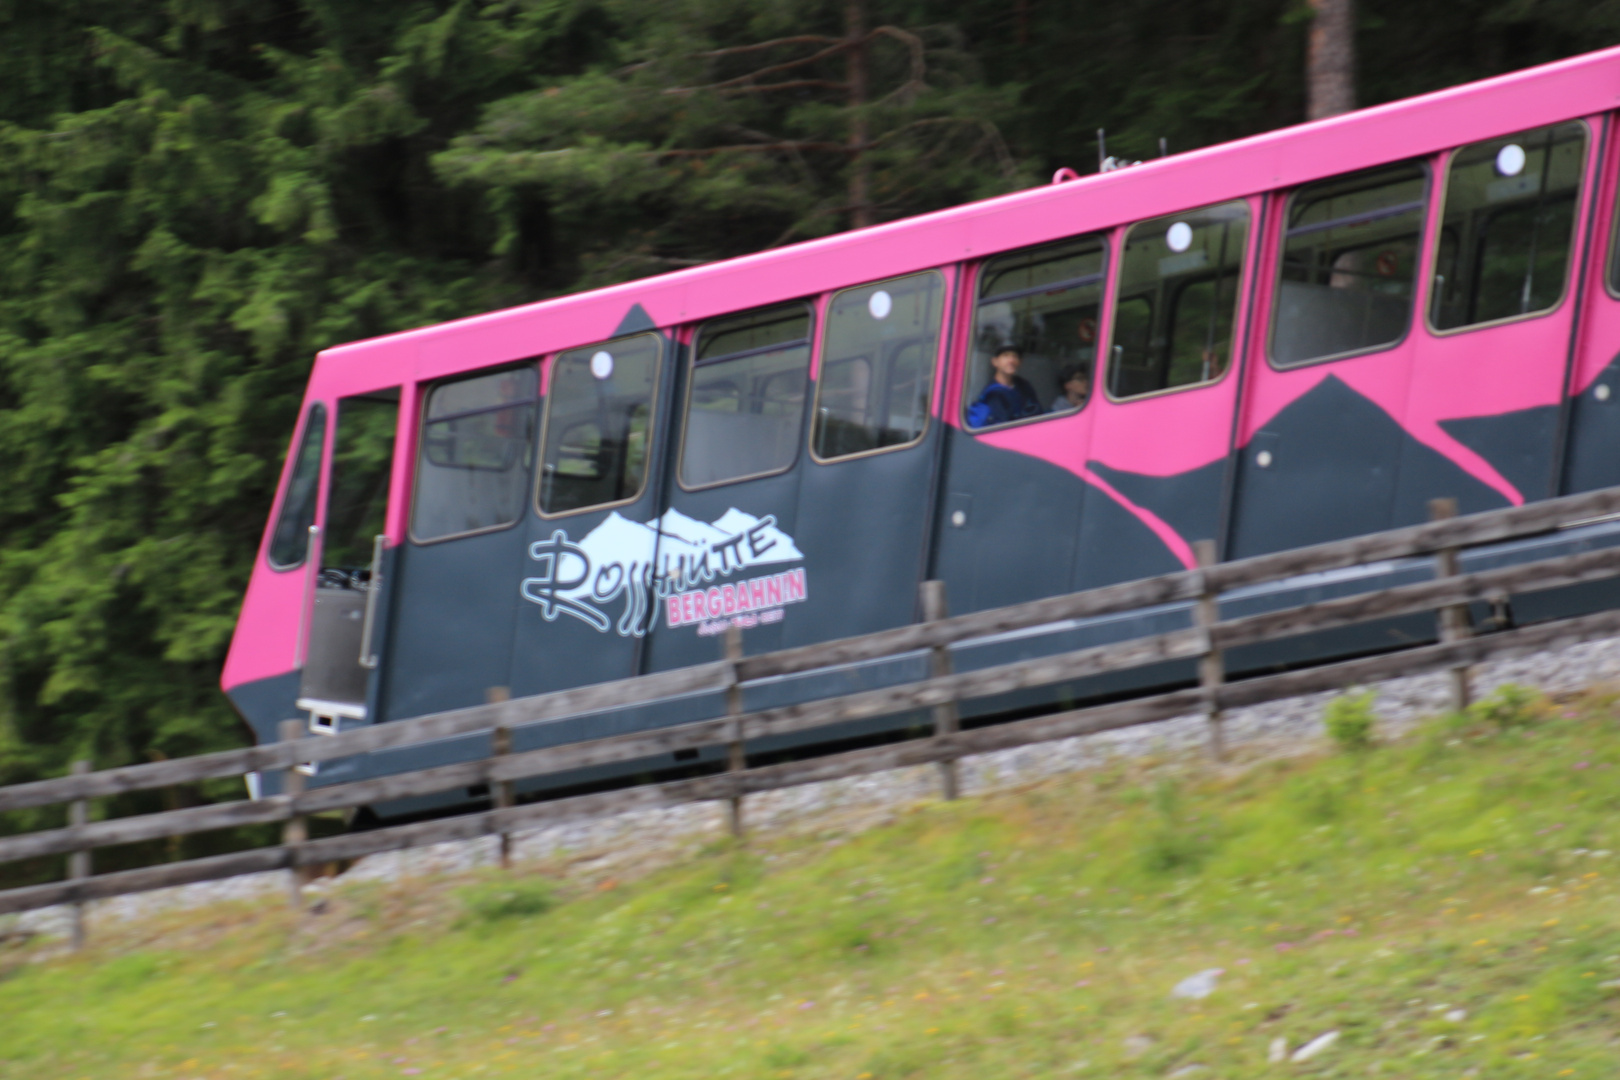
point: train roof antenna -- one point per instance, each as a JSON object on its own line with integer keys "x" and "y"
{"x": 1102, "y": 150}
{"x": 1164, "y": 146}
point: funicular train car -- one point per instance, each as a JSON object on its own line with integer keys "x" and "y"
{"x": 1288, "y": 339}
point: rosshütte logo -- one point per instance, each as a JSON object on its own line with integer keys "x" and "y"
{"x": 674, "y": 565}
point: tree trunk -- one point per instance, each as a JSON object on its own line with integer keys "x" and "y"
{"x": 860, "y": 196}
{"x": 1330, "y": 59}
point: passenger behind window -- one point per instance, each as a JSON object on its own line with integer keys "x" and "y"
{"x": 1349, "y": 262}
{"x": 1040, "y": 305}
{"x": 1006, "y": 397}
{"x": 1177, "y": 301}
{"x": 1076, "y": 383}
{"x": 1508, "y": 226}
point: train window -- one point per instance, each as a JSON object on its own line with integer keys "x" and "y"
{"x": 289, "y": 544}
{"x": 1349, "y": 264}
{"x": 745, "y": 409}
{"x": 598, "y": 422}
{"x": 362, "y": 466}
{"x": 473, "y": 465}
{"x": 1177, "y": 299}
{"x": 1510, "y": 211}
{"x": 1040, "y": 305}
{"x": 877, "y": 366}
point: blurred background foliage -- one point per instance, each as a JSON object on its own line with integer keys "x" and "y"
{"x": 198, "y": 195}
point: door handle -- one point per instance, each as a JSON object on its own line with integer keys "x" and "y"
{"x": 368, "y": 658}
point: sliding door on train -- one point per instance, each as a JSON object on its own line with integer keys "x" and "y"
{"x": 864, "y": 500}
{"x": 1157, "y": 468}
{"x": 1323, "y": 451}
{"x": 583, "y": 599}
{"x": 454, "y": 599}
{"x": 343, "y": 606}
{"x": 727, "y": 524}
{"x": 1592, "y": 451}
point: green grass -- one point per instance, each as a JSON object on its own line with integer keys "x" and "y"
{"x": 1035, "y": 934}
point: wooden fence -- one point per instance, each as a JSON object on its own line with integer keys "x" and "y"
{"x": 941, "y": 692}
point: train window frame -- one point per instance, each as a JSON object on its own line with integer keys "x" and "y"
{"x": 424, "y": 398}
{"x": 297, "y": 455}
{"x": 1432, "y": 249}
{"x": 819, "y": 366}
{"x": 1420, "y": 281}
{"x": 1611, "y": 269}
{"x": 970, "y": 293}
{"x": 812, "y": 342}
{"x": 1241, "y": 306}
{"x": 542, "y": 429}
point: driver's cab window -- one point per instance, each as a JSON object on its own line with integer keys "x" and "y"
{"x": 1035, "y": 335}
{"x": 357, "y": 501}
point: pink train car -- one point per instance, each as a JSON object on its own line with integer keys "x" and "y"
{"x": 1287, "y": 339}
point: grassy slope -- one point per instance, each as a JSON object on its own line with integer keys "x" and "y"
{"x": 1036, "y": 934}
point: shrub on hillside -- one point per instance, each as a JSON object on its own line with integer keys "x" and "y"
{"x": 1511, "y": 706}
{"x": 1351, "y": 722}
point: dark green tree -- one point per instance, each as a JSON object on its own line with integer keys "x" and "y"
{"x": 719, "y": 127}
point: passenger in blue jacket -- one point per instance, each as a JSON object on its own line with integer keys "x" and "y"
{"x": 1006, "y": 397}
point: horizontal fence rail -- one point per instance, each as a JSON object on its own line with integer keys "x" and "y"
{"x": 943, "y": 690}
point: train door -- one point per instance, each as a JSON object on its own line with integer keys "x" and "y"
{"x": 1015, "y": 459}
{"x": 1592, "y": 456}
{"x": 1488, "y": 380}
{"x": 455, "y": 593}
{"x": 864, "y": 500}
{"x": 584, "y": 594}
{"x": 1322, "y": 450}
{"x": 1156, "y": 471}
{"x": 727, "y": 534}
{"x": 347, "y": 582}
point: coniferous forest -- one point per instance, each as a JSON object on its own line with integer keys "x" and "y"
{"x": 197, "y": 195}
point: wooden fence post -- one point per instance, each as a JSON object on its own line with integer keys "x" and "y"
{"x": 947, "y": 721}
{"x": 737, "y": 759}
{"x": 1454, "y": 618}
{"x": 500, "y": 745}
{"x": 79, "y": 861}
{"x": 296, "y": 830}
{"x": 1211, "y": 665}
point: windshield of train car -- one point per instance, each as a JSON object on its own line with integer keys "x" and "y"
{"x": 1177, "y": 299}
{"x": 1349, "y": 263}
{"x": 598, "y": 420}
{"x": 1035, "y": 337}
{"x": 877, "y": 365}
{"x": 477, "y": 442}
{"x": 746, "y": 409}
{"x": 289, "y": 545}
{"x": 1507, "y": 226}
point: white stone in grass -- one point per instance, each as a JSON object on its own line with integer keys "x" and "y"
{"x": 1199, "y": 986}
{"x": 1315, "y": 1046}
{"x": 1137, "y": 1045}
{"x": 1189, "y": 1070}
{"x": 1279, "y": 1050}
{"x": 1457, "y": 1016}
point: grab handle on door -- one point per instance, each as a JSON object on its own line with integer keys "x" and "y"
{"x": 368, "y": 658}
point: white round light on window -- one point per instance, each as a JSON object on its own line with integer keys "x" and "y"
{"x": 1179, "y": 236}
{"x": 880, "y": 304}
{"x": 1510, "y": 160}
{"x": 602, "y": 364}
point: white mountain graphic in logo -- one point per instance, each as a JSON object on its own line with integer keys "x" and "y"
{"x": 647, "y": 562}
